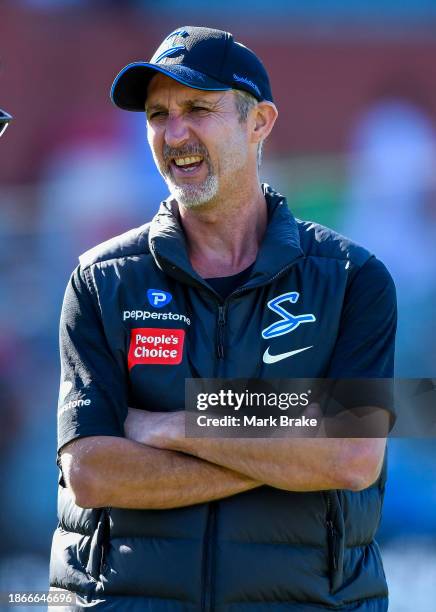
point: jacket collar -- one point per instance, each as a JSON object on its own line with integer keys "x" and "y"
{"x": 279, "y": 249}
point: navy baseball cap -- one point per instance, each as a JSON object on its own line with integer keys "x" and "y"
{"x": 197, "y": 57}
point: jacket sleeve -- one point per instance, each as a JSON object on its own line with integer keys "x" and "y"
{"x": 365, "y": 344}
{"x": 366, "y": 340}
{"x": 93, "y": 388}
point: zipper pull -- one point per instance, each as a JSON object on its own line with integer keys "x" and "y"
{"x": 221, "y": 323}
{"x": 332, "y": 533}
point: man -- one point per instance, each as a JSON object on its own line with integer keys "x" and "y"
{"x": 148, "y": 518}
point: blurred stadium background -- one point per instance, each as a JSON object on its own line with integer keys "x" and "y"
{"x": 355, "y": 148}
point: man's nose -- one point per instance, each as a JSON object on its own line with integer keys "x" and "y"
{"x": 176, "y": 131}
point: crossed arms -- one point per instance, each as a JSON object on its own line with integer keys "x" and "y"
{"x": 155, "y": 466}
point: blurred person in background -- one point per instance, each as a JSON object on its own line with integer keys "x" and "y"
{"x": 150, "y": 519}
{"x": 96, "y": 183}
{"x": 391, "y": 207}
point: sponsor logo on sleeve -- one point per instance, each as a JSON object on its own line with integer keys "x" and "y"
{"x": 80, "y": 400}
{"x": 73, "y": 404}
{"x": 155, "y": 346}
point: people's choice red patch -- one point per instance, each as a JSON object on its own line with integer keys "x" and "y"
{"x": 151, "y": 345}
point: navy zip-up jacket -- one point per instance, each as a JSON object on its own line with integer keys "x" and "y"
{"x": 137, "y": 321}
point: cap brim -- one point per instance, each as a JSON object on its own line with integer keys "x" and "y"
{"x": 129, "y": 89}
{"x": 4, "y": 116}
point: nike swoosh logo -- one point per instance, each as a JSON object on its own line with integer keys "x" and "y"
{"x": 267, "y": 358}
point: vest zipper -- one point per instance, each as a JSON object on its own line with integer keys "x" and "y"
{"x": 209, "y": 544}
{"x": 106, "y": 541}
{"x": 220, "y": 331}
{"x": 331, "y": 531}
{"x": 222, "y": 308}
{"x": 207, "y": 574}
{"x": 332, "y": 536}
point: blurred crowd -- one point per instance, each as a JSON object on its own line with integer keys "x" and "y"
{"x": 93, "y": 177}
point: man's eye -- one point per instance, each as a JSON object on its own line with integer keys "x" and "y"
{"x": 156, "y": 115}
{"x": 197, "y": 109}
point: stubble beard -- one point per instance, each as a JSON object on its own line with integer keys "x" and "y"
{"x": 195, "y": 195}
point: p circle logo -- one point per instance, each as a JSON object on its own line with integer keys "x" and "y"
{"x": 158, "y": 298}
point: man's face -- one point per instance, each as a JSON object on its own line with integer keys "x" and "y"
{"x": 197, "y": 140}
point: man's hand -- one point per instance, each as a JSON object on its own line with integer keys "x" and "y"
{"x": 157, "y": 429}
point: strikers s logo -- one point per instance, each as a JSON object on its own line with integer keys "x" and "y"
{"x": 288, "y": 321}
{"x": 158, "y": 298}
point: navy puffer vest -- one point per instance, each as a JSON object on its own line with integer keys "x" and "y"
{"x": 265, "y": 549}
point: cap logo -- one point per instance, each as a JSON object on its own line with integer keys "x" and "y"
{"x": 182, "y": 33}
{"x": 241, "y": 79}
{"x": 170, "y": 51}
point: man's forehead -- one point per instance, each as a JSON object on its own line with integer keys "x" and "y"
{"x": 162, "y": 87}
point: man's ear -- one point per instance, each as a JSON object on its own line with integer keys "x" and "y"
{"x": 263, "y": 119}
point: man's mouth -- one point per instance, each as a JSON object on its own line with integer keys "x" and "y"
{"x": 188, "y": 164}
